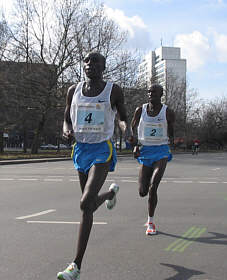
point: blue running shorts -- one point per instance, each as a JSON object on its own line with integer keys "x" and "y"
{"x": 85, "y": 155}
{"x": 151, "y": 154}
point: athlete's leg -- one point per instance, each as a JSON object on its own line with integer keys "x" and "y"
{"x": 158, "y": 171}
{"x": 99, "y": 198}
{"x": 197, "y": 150}
{"x": 83, "y": 180}
{"x": 145, "y": 175}
{"x": 89, "y": 203}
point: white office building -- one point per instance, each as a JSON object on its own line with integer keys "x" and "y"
{"x": 161, "y": 65}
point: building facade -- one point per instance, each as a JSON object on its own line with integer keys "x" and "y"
{"x": 161, "y": 65}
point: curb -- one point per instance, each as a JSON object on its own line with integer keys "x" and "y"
{"x": 25, "y": 161}
{"x": 38, "y": 160}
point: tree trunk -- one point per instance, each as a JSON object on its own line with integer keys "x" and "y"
{"x": 25, "y": 144}
{"x": 1, "y": 141}
{"x": 35, "y": 143}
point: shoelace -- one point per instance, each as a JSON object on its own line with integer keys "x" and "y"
{"x": 151, "y": 226}
{"x": 72, "y": 267}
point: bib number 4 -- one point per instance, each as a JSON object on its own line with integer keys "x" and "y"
{"x": 88, "y": 118}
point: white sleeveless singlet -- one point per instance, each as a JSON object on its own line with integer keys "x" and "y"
{"x": 92, "y": 117}
{"x": 152, "y": 131}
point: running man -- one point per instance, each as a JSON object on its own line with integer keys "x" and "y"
{"x": 153, "y": 123}
{"x": 89, "y": 117}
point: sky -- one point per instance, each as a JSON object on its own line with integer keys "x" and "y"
{"x": 198, "y": 27}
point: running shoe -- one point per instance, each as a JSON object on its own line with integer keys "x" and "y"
{"x": 70, "y": 273}
{"x": 151, "y": 230}
{"x": 112, "y": 202}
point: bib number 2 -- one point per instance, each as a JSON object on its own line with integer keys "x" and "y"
{"x": 153, "y": 132}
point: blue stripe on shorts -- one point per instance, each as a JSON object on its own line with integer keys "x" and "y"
{"x": 151, "y": 154}
{"x": 86, "y": 155}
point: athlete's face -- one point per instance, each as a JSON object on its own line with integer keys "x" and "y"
{"x": 154, "y": 95}
{"x": 94, "y": 65}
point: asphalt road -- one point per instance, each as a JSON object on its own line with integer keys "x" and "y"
{"x": 40, "y": 213}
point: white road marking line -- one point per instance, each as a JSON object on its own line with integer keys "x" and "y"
{"x": 53, "y": 180}
{"x": 124, "y": 177}
{"x": 173, "y": 178}
{"x": 27, "y": 179}
{"x": 216, "y": 169}
{"x": 112, "y": 180}
{"x": 62, "y": 222}
{"x": 212, "y": 178}
{"x": 182, "y": 182}
{"x": 190, "y": 178}
{"x": 207, "y": 182}
{"x": 129, "y": 181}
{"x": 184, "y": 178}
{"x": 55, "y": 176}
{"x": 36, "y": 214}
{"x": 74, "y": 180}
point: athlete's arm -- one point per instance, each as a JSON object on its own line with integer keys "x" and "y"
{"x": 135, "y": 120}
{"x": 67, "y": 124}
{"x": 134, "y": 125}
{"x": 117, "y": 101}
{"x": 170, "y": 116}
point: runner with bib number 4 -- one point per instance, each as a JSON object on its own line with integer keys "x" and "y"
{"x": 91, "y": 107}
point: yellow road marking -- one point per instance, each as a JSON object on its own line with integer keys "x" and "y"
{"x": 179, "y": 240}
{"x": 197, "y": 235}
{"x": 190, "y": 235}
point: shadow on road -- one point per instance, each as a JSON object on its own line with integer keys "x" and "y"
{"x": 216, "y": 239}
{"x": 183, "y": 273}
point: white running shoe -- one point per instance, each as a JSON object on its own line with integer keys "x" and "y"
{"x": 70, "y": 273}
{"x": 111, "y": 203}
{"x": 151, "y": 230}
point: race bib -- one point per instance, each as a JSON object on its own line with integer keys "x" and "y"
{"x": 90, "y": 117}
{"x": 153, "y": 131}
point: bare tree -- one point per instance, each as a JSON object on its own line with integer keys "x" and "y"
{"x": 214, "y": 123}
{"x": 4, "y": 40}
{"x": 175, "y": 98}
{"x": 58, "y": 34}
{"x": 194, "y": 114}
{"x": 125, "y": 74}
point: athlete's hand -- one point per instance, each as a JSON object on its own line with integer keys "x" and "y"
{"x": 67, "y": 134}
{"x": 136, "y": 152}
{"x": 132, "y": 140}
{"x": 67, "y": 131}
{"x": 123, "y": 127}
